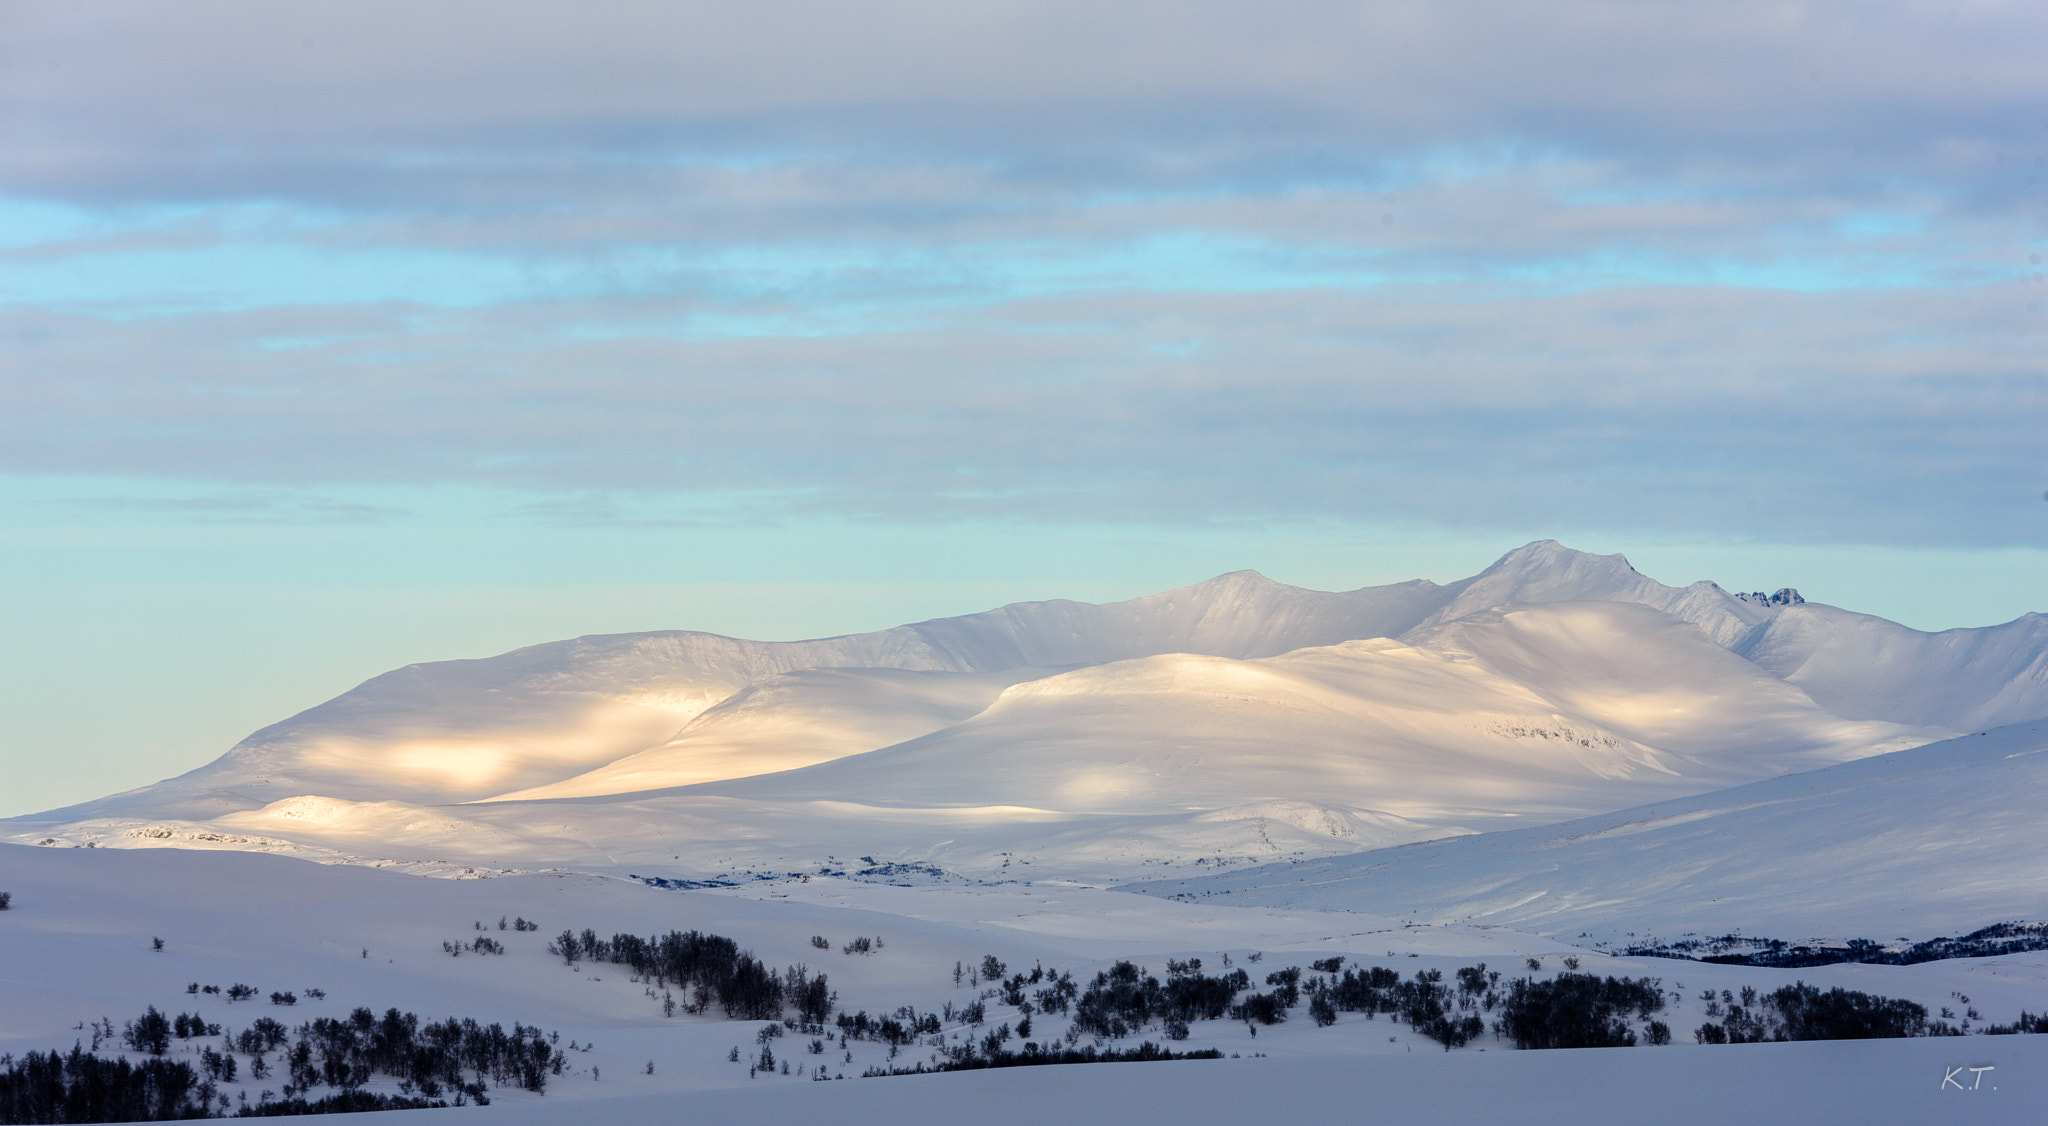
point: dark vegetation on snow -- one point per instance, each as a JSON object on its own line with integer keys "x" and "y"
{"x": 1569, "y": 1010}
{"x": 1802, "y": 1012}
{"x": 459, "y": 1058}
{"x": 708, "y": 969}
{"x": 1033, "y": 1055}
{"x": 457, "y": 1061}
{"x": 1774, "y": 953}
{"x": 1581, "y": 1011}
{"x": 2028, "y": 1023}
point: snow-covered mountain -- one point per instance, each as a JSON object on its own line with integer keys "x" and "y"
{"x": 454, "y": 731}
{"x": 1940, "y": 839}
{"x": 1237, "y": 720}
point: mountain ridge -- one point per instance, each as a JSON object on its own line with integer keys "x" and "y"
{"x": 1234, "y": 721}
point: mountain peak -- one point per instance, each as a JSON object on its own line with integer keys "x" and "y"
{"x": 1241, "y": 580}
{"x": 1552, "y": 556}
{"x": 1548, "y": 571}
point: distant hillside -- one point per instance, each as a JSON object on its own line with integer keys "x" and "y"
{"x": 1940, "y": 839}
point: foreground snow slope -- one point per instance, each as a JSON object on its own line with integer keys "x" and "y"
{"x": 76, "y": 947}
{"x": 1937, "y": 840}
{"x": 1815, "y": 1082}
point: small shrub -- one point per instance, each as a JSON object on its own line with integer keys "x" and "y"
{"x": 820, "y": 942}
{"x": 150, "y": 1032}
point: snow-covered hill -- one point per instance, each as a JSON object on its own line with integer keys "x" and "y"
{"x": 1937, "y": 840}
{"x": 1236, "y": 721}
{"x": 1531, "y": 712}
{"x": 454, "y": 731}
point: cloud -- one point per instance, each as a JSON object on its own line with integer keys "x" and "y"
{"x": 403, "y": 105}
{"x": 1878, "y": 417}
{"x": 1743, "y": 269}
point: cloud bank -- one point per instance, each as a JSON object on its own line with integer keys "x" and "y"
{"x": 1753, "y": 269}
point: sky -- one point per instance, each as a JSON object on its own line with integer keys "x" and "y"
{"x": 336, "y": 336}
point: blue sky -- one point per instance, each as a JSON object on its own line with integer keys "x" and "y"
{"x": 333, "y": 338}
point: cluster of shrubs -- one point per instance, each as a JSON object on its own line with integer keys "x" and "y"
{"x": 1802, "y": 1012}
{"x": 905, "y": 1026}
{"x": 1575, "y": 1010}
{"x": 1124, "y": 999}
{"x": 709, "y": 969}
{"x": 482, "y": 944}
{"x": 81, "y": 1087}
{"x": 1448, "y": 1014}
{"x": 1572, "y": 1010}
{"x": 1034, "y": 1054}
{"x": 241, "y": 992}
{"x": 422, "y": 1055}
{"x": 2028, "y": 1023}
{"x": 426, "y": 1057}
{"x": 1774, "y": 953}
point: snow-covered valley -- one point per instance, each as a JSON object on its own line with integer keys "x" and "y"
{"x": 77, "y": 945}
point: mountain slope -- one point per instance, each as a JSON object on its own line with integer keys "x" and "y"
{"x": 793, "y": 720}
{"x": 454, "y": 731}
{"x": 1938, "y": 839}
{"x": 1865, "y": 667}
{"x": 1542, "y": 711}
